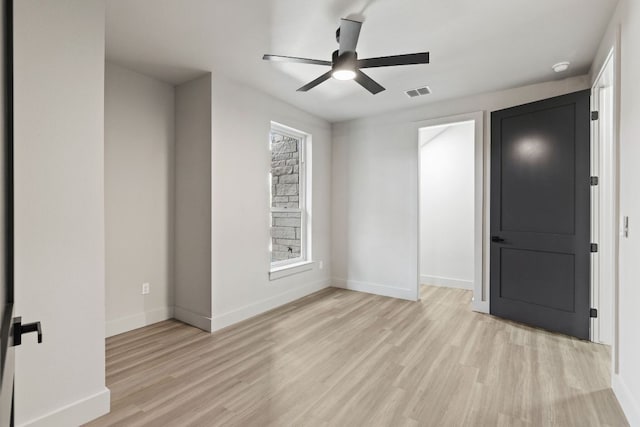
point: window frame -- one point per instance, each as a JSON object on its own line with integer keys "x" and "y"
{"x": 303, "y": 197}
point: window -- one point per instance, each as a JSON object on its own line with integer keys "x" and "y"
{"x": 289, "y": 211}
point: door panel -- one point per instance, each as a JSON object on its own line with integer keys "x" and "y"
{"x": 540, "y": 214}
{"x": 537, "y": 277}
{"x": 537, "y": 166}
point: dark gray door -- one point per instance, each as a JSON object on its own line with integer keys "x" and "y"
{"x": 540, "y": 214}
{"x": 6, "y": 223}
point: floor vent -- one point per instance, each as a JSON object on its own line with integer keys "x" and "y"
{"x": 412, "y": 93}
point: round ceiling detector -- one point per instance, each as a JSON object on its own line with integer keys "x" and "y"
{"x": 561, "y": 66}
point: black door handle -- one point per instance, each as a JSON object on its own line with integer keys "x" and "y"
{"x": 19, "y": 329}
{"x": 497, "y": 239}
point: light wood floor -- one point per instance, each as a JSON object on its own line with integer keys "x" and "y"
{"x": 350, "y": 359}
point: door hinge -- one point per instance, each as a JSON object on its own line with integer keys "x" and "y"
{"x": 595, "y": 115}
{"x": 594, "y": 247}
{"x": 594, "y": 181}
{"x": 593, "y": 313}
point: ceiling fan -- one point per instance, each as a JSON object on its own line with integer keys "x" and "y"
{"x": 345, "y": 64}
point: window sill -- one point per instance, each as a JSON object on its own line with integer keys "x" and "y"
{"x": 289, "y": 270}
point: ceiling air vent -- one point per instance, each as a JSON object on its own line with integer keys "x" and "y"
{"x": 412, "y": 93}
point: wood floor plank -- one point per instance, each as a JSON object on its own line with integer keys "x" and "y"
{"x": 342, "y": 358}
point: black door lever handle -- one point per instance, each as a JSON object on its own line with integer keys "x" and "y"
{"x": 19, "y": 329}
{"x": 497, "y": 239}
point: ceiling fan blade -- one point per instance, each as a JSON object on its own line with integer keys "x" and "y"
{"x": 388, "y": 61}
{"x": 368, "y": 83}
{"x": 349, "y": 34}
{"x": 280, "y": 58}
{"x": 323, "y": 78}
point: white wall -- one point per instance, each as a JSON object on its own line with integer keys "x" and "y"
{"x": 626, "y": 377}
{"x": 193, "y": 203}
{"x": 139, "y": 184}
{"x": 447, "y": 206}
{"x": 375, "y": 188}
{"x": 240, "y": 202}
{"x": 59, "y": 210}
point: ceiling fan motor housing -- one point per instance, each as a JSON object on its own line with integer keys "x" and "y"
{"x": 346, "y": 61}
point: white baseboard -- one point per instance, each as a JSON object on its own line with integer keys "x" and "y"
{"x": 129, "y": 323}
{"x": 298, "y": 291}
{"x": 376, "y": 289}
{"x": 76, "y": 413}
{"x": 480, "y": 306}
{"x": 446, "y": 282}
{"x": 628, "y": 402}
{"x": 192, "y": 318}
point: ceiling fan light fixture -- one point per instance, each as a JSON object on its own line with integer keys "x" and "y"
{"x": 344, "y": 66}
{"x": 343, "y": 74}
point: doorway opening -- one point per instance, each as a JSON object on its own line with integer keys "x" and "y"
{"x": 450, "y": 204}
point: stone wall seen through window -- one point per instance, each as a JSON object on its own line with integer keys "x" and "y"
{"x": 286, "y": 227}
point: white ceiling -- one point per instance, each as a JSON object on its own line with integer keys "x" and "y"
{"x": 476, "y": 45}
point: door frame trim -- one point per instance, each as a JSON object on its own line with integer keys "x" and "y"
{"x": 607, "y": 192}
{"x": 480, "y": 290}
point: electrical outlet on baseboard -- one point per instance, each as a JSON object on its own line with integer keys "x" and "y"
{"x": 145, "y": 288}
